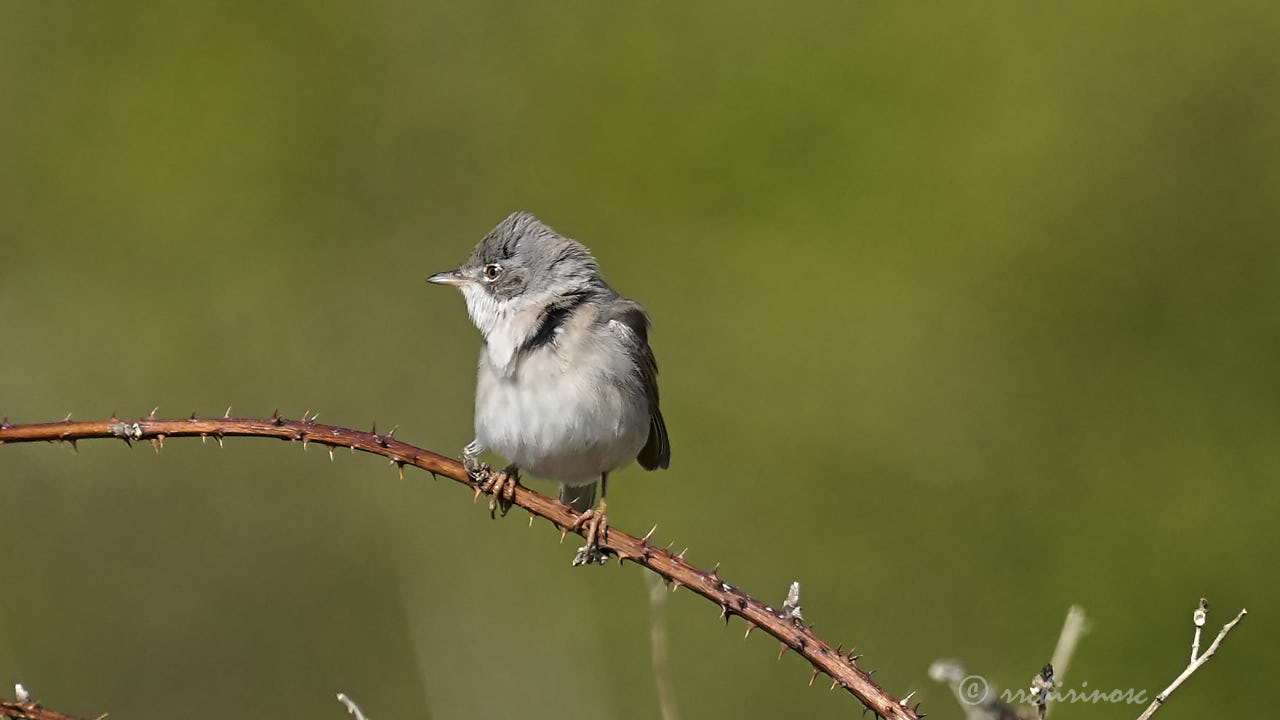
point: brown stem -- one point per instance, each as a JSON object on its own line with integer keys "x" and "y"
{"x": 790, "y": 630}
{"x": 30, "y": 711}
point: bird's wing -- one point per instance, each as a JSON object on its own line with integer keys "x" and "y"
{"x": 656, "y": 452}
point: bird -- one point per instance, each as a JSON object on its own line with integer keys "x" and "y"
{"x": 566, "y": 383}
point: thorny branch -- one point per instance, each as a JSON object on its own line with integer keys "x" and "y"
{"x": 786, "y": 625}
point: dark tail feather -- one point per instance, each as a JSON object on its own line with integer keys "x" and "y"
{"x": 579, "y": 497}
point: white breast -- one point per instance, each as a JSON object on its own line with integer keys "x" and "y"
{"x": 562, "y": 420}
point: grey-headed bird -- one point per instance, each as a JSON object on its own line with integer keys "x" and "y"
{"x": 567, "y": 386}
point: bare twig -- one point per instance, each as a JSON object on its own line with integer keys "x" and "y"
{"x": 658, "y": 647}
{"x": 352, "y": 707}
{"x": 1198, "y": 619}
{"x": 20, "y": 710}
{"x": 793, "y": 633}
{"x": 1072, "y": 628}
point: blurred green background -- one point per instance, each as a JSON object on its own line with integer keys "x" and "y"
{"x": 966, "y": 312}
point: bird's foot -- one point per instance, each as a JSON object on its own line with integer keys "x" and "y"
{"x": 499, "y": 484}
{"x": 597, "y": 524}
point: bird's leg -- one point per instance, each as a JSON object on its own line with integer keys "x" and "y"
{"x": 597, "y": 523}
{"x": 502, "y": 485}
{"x": 471, "y": 460}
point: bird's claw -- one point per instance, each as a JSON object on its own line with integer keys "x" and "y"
{"x": 501, "y": 485}
{"x": 597, "y": 524}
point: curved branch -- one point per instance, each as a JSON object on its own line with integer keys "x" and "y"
{"x": 783, "y": 624}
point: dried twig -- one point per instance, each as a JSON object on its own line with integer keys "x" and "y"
{"x": 1197, "y": 619}
{"x": 28, "y": 710}
{"x": 790, "y": 630}
{"x": 352, "y": 708}
{"x": 658, "y": 647}
{"x": 1072, "y": 628}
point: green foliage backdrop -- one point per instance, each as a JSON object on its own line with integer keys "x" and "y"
{"x": 965, "y": 312}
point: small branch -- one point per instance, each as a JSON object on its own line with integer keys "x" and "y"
{"x": 1072, "y": 628}
{"x": 352, "y": 708}
{"x": 658, "y": 647}
{"x": 27, "y": 710}
{"x": 791, "y": 631}
{"x": 1198, "y": 619}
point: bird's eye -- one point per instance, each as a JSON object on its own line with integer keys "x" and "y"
{"x": 492, "y": 271}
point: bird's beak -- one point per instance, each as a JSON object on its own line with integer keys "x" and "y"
{"x": 448, "y": 277}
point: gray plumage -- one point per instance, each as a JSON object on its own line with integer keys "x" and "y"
{"x": 567, "y": 384}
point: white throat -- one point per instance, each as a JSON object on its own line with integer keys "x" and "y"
{"x": 505, "y": 324}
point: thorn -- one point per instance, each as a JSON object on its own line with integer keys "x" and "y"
{"x": 219, "y": 437}
{"x": 203, "y": 438}
{"x": 160, "y": 437}
{"x": 392, "y": 435}
{"x": 330, "y": 453}
{"x": 67, "y": 419}
{"x": 305, "y": 440}
{"x": 152, "y": 416}
{"x": 783, "y": 650}
{"x": 668, "y": 547}
{"x": 647, "y": 535}
{"x": 715, "y": 571}
{"x": 840, "y": 649}
{"x": 476, "y": 495}
{"x": 400, "y": 467}
{"x": 813, "y": 676}
{"x": 192, "y": 418}
{"x": 155, "y": 446}
{"x": 681, "y": 555}
{"x": 227, "y": 414}
{"x": 4, "y": 422}
{"x": 113, "y": 416}
{"x": 531, "y": 516}
{"x": 750, "y": 626}
{"x": 564, "y": 530}
{"x": 676, "y": 585}
{"x": 903, "y": 702}
{"x": 275, "y": 416}
{"x": 374, "y": 430}
{"x": 73, "y": 444}
{"x": 834, "y": 682}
